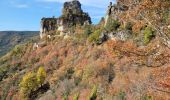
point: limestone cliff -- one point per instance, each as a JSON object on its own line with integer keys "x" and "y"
{"x": 72, "y": 15}
{"x": 115, "y": 9}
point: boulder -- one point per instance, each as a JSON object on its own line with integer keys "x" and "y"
{"x": 121, "y": 35}
{"x": 102, "y": 38}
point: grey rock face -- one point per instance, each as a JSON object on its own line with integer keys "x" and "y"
{"x": 116, "y": 8}
{"x": 72, "y": 15}
{"x": 73, "y": 7}
{"x": 47, "y": 24}
{"x": 103, "y": 37}
{"x": 121, "y": 35}
{"x": 113, "y": 10}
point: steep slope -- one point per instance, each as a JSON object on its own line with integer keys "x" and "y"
{"x": 74, "y": 66}
{"x": 8, "y": 39}
{"x": 141, "y": 14}
{"x": 109, "y": 61}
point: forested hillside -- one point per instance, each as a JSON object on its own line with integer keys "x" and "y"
{"x": 8, "y": 39}
{"x": 124, "y": 57}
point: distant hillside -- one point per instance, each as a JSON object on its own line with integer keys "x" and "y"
{"x": 8, "y": 39}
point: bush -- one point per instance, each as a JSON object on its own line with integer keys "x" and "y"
{"x": 93, "y": 94}
{"x": 122, "y": 96}
{"x": 77, "y": 80}
{"x": 95, "y": 37}
{"x": 128, "y": 26}
{"x": 76, "y": 96}
{"x": 69, "y": 73}
{"x": 3, "y": 72}
{"x": 165, "y": 16}
{"x": 88, "y": 72}
{"x": 31, "y": 81}
{"x": 28, "y": 84}
{"x": 112, "y": 25}
{"x": 146, "y": 97}
{"x": 148, "y": 35}
{"x": 17, "y": 50}
{"x": 41, "y": 75}
{"x": 66, "y": 86}
{"x": 65, "y": 97}
{"x": 87, "y": 31}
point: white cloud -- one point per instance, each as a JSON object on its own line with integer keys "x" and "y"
{"x": 92, "y": 3}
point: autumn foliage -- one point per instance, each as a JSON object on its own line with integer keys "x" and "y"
{"x": 28, "y": 84}
{"x": 119, "y": 69}
{"x": 31, "y": 81}
{"x": 41, "y": 75}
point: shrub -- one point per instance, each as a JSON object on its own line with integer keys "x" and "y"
{"x": 28, "y": 84}
{"x": 65, "y": 97}
{"x": 128, "y": 26}
{"x": 146, "y": 97}
{"x": 122, "y": 96}
{"x": 93, "y": 94}
{"x": 3, "y": 73}
{"x": 95, "y": 37}
{"x": 76, "y": 96}
{"x": 66, "y": 86}
{"x": 6, "y": 89}
{"x": 112, "y": 25}
{"x": 41, "y": 75}
{"x": 88, "y": 72}
{"x": 35, "y": 59}
{"x": 87, "y": 31}
{"x": 31, "y": 81}
{"x": 17, "y": 50}
{"x": 69, "y": 73}
{"x": 166, "y": 16}
{"x": 148, "y": 34}
{"x": 77, "y": 80}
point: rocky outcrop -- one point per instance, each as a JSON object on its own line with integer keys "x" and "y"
{"x": 47, "y": 24}
{"x": 114, "y": 9}
{"x": 72, "y": 15}
{"x": 73, "y": 7}
{"x": 112, "y": 14}
{"x": 121, "y": 35}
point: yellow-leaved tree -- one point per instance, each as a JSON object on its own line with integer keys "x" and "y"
{"x": 28, "y": 84}
{"x": 31, "y": 82}
{"x": 41, "y": 75}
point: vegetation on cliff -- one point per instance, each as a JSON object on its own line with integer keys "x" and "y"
{"x": 121, "y": 59}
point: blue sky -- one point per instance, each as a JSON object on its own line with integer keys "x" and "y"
{"x": 24, "y": 15}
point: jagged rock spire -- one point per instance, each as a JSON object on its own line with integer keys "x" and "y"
{"x": 72, "y": 15}
{"x": 73, "y": 7}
